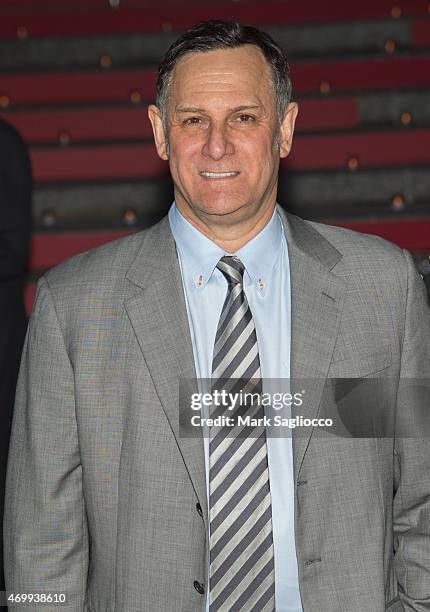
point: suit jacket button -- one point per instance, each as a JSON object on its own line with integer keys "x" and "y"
{"x": 199, "y": 509}
{"x": 199, "y": 587}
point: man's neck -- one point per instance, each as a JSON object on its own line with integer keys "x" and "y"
{"x": 230, "y": 238}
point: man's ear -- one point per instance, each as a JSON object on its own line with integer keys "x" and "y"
{"x": 160, "y": 137}
{"x": 287, "y": 129}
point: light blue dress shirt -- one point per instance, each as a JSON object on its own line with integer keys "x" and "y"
{"x": 267, "y": 287}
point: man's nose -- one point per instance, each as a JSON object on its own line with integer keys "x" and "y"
{"x": 218, "y": 143}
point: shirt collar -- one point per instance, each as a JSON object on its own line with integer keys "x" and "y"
{"x": 199, "y": 255}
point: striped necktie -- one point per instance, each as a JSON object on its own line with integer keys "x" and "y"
{"x": 241, "y": 575}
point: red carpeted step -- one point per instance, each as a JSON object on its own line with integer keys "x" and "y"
{"x": 364, "y": 149}
{"x": 350, "y": 75}
{"x": 48, "y": 249}
{"x": 327, "y": 114}
{"x": 421, "y": 33}
{"x": 141, "y": 16}
{"x": 123, "y": 85}
{"x": 94, "y": 163}
{"x": 412, "y": 234}
{"x": 75, "y": 87}
{"x": 75, "y": 125}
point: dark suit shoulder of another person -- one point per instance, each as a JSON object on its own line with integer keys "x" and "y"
{"x": 15, "y": 206}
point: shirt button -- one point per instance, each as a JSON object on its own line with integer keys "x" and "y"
{"x": 199, "y": 587}
{"x": 199, "y": 509}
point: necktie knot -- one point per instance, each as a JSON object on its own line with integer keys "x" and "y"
{"x": 232, "y": 268}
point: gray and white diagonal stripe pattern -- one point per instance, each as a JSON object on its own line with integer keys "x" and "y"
{"x": 240, "y": 512}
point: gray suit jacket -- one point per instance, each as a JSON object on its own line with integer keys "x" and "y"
{"x": 106, "y": 502}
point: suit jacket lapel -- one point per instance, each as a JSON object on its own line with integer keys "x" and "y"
{"x": 316, "y": 305}
{"x": 159, "y": 319}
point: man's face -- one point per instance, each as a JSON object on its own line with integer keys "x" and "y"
{"x": 224, "y": 135}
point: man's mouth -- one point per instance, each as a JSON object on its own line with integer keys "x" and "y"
{"x": 218, "y": 175}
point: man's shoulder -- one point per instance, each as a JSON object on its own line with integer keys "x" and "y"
{"x": 106, "y": 264}
{"x": 366, "y": 258}
{"x": 108, "y": 260}
{"x": 358, "y": 246}
{"x": 346, "y": 238}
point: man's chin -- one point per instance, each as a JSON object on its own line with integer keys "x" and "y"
{"x": 221, "y": 208}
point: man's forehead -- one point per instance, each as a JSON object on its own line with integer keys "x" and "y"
{"x": 218, "y": 62}
{"x": 237, "y": 72}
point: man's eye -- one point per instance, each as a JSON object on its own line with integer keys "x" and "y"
{"x": 192, "y": 121}
{"x": 245, "y": 118}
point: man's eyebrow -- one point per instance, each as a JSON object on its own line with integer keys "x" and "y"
{"x": 189, "y": 109}
{"x": 236, "y": 109}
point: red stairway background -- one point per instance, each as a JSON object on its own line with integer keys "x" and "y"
{"x": 76, "y": 78}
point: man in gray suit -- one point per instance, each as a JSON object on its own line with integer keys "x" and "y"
{"x": 108, "y": 501}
